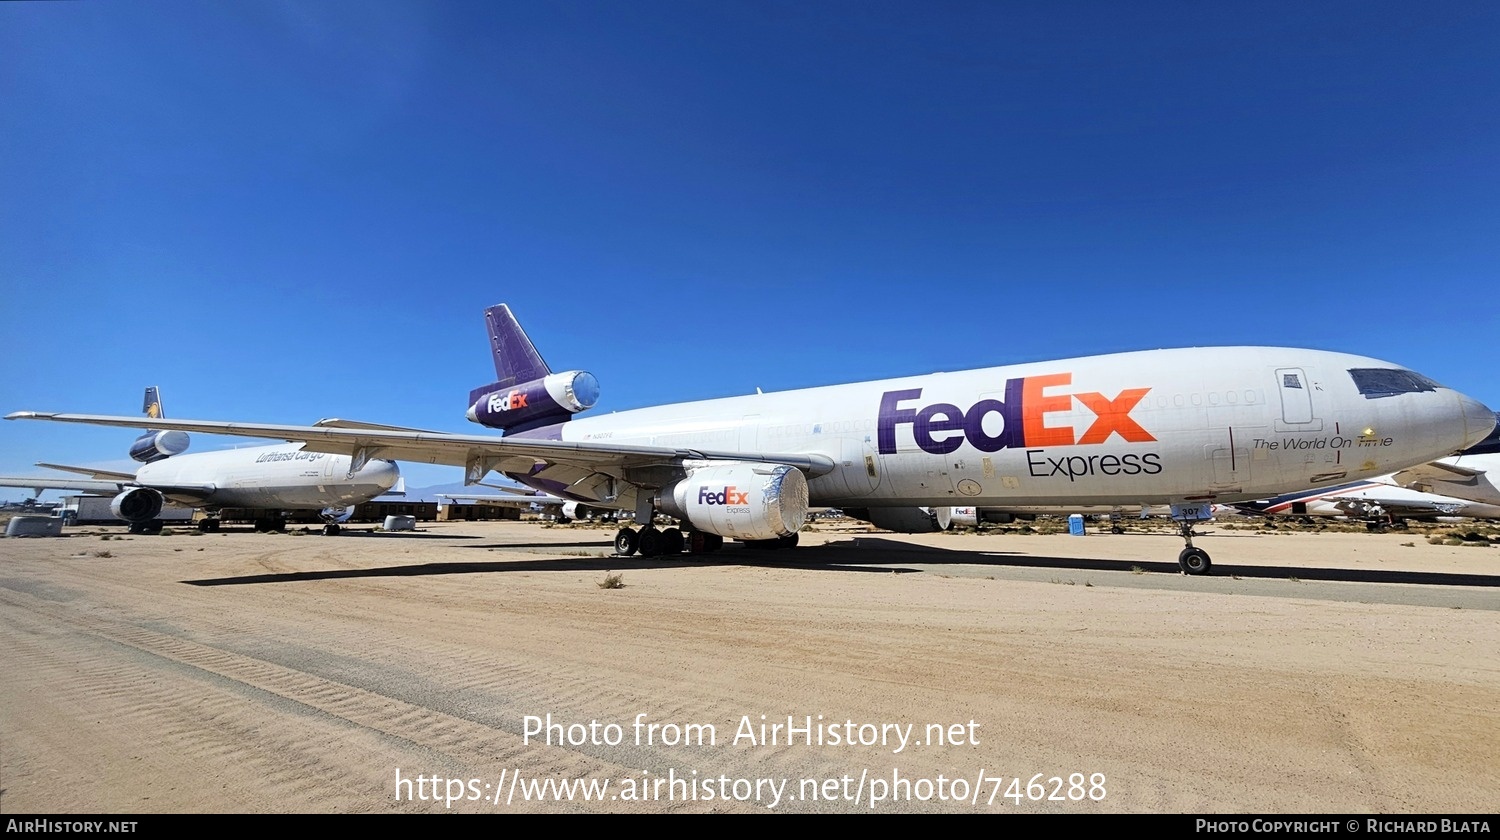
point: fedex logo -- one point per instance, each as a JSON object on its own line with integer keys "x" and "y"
{"x": 941, "y": 428}
{"x": 727, "y": 496}
{"x": 507, "y": 402}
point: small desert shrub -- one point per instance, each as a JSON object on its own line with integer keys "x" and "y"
{"x": 613, "y": 580}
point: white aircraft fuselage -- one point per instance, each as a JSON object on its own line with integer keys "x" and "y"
{"x": 1149, "y": 427}
{"x": 281, "y": 476}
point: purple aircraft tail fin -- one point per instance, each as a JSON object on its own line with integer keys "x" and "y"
{"x": 516, "y": 358}
{"x": 527, "y": 395}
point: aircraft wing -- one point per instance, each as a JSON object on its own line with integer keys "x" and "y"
{"x": 567, "y": 462}
{"x": 103, "y": 487}
{"x": 510, "y": 501}
{"x": 1358, "y": 506}
{"x": 1436, "y": 471}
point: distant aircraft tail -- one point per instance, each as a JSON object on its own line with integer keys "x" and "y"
{"x": 154, "y": 445}
{"x": 527, "y": 393}
{"x": 152, "y": 408}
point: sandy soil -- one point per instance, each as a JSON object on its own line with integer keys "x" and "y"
{"x": 280, "y": 673}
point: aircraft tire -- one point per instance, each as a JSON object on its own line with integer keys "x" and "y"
{"x": 626, "y": 542}
{"x": 1194, "y": 561}
{"x": 331, "y": 529}
{"x": 1116, "y": 529}
{"x": 702, "y": 542}
{"x": 650, "y": 542}
{"x": 672, "y": 541}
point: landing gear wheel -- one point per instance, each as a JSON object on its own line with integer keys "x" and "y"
{"x": 1116, "y": 529}
{"x": 672, "y": 541}
{"x": 1194, "y": 561}
{"x": 625, "y": 542}
{"x": 788, "y": 541}
{"x": 650, "y": 542}
{"x": 331, "y": 529}
{"x": 701, "y": 542}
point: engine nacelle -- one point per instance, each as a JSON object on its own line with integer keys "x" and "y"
{"x": 540, "y": 402}
{"x": 919, "y": 520}
{"x": 970, "y": 517}
{"x": 154, "y": 446}
{"x": 137, "y": 506}
{"x": 739, "y": 500}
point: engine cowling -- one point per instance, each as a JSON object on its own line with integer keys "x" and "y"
{"x": 551, "y": 399}
{"x": 970, "y": 517}
{"x": 739, "y": 500}
{"x": 154, "y": 446}
{"x": 920, "y": 520}
{"x": 137, "y": 506}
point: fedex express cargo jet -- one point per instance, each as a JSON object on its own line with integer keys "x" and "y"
{"x": 1186, "y": 428}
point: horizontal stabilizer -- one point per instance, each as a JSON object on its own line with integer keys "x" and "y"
{"x": 1463, "y": 472}
{"x": 92, "y": 472}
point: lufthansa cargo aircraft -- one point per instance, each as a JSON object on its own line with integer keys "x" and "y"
{"x": 1186, "y": 428}
{"x": 275, "y": 478}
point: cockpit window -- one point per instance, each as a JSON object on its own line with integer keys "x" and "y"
{"x": 1388, "y": 382}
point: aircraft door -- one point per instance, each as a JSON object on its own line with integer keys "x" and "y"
{"x": 1297, "y": 401}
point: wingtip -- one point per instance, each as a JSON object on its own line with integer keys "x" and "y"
{"x": 23, "y": 415}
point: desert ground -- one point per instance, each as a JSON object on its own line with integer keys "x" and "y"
{"x": 482, "y": 667}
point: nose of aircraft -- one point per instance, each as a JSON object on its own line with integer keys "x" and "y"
{"x": 1483, "y": 435}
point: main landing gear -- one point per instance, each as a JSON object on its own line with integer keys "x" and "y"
{"x": 651, "y": 542}
{"x": 1194, "y": 561}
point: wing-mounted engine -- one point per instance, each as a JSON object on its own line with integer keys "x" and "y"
{"x": 137, "y": 506}
{"x": 738, "y": 500}
{"x": 553, "y": 398}
{"x": 154, "y": 446}
{"x": 917, "y": 520}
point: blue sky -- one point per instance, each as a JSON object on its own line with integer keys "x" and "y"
{"x": 281, "y": 211}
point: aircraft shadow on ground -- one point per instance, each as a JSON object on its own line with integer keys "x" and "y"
{"x": 1220, "y": 569}
{"x": 859, "y": 554}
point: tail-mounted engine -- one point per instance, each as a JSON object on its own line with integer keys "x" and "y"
{"x": 739, "y": 500}
{"x": 154, "y": 446}
{"x": 137, "y": 506}
{"x": 541, "y": 402}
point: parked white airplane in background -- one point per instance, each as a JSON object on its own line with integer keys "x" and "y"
{"x": 1186, "y": 428}
{"x": 563, "y": 510}
{"x": 1471, "y": 477}
{"x": 277, "y": 478}
{"x": 1376, "y": 503}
